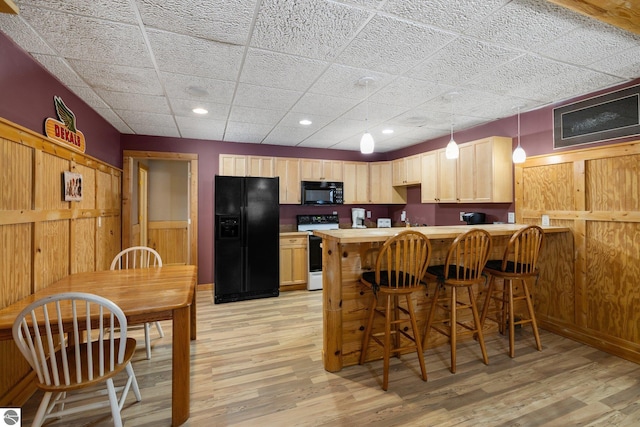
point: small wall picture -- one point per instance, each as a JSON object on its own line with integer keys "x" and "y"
{"x": 72, "y": 186}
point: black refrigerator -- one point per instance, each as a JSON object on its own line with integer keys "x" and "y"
{"x": 247, "y": 238}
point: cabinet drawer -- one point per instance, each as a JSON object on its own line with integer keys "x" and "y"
{"x": 293, "y": 241}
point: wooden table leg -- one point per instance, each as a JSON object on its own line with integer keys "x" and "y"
{"x": 193, "y": 316}
{"x": 181, "y": 381}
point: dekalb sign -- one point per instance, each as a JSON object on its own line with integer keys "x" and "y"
{"x": 64, "y": 130}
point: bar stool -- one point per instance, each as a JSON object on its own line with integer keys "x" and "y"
{"x": 463, "y": 267}
{"x": 399, "y": 269}
{"x": 519, "y": 263}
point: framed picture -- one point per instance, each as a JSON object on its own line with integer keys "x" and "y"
{"x": 72, "y": 186}
{"x": 601, "y": 118}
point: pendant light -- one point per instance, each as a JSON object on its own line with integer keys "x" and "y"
{"x": 452, "y": 151}
{"x": 519, "y": 156}
{"x": 366, "y": 142}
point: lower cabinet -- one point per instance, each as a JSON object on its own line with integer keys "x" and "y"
{"x": 294, "y": 268}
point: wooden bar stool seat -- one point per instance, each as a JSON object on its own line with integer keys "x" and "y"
{"x": 518, "y": 264}
{"x": 463, "y": 267}
{"x": 399, "y": 269}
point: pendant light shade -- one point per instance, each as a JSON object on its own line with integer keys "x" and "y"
{"x": 366, "y": 142}
{"x": 519, "y": 155}
{"x": 452, "y": 151}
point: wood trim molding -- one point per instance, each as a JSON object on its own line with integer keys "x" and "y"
{"x": 8, "y": 6}
{"x": 619, "y": 13}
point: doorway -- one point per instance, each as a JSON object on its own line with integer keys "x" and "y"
{"x": 176, "y": 239}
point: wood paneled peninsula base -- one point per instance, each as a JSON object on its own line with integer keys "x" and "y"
{"x": 348, "y": 252}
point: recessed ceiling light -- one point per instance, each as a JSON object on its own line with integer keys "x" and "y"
{"x": 387, "y": 131}
{"x": 200, "y": 111}
{"x": 305, "y": 122}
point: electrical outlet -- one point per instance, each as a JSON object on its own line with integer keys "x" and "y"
{"x": 511, "y": 217}
{"x": 403, "y": 216}
{"x": 545, "y": 220}
{"x": 461, "y": 213}
{"x": 368, "y": 214}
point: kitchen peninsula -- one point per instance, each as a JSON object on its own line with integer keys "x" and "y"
{"x": 348, "y": 252}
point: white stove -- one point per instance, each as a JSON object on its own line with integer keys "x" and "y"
{"x": 310, "y": 223}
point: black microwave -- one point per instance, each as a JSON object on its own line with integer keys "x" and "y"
{"x": 322, "y": 193}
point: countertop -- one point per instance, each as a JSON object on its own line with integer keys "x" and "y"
{"x": 361, "y": 235}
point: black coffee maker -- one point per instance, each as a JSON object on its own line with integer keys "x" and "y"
{"x": 472, "y": 218}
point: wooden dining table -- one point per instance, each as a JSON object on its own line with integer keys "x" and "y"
{"x": 145, "y": 295}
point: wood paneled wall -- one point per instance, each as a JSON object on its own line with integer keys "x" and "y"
{"x": 42, "y": 237}
{"x": 595, "y": 192}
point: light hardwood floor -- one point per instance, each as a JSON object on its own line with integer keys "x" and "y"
{"x": 258, "y": 363}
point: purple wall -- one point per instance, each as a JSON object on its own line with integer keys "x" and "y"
{"x": 27, "y": 99}
{"x": 28, "y": 89}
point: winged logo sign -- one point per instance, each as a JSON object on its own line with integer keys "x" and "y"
{"x": 64, "y": 130}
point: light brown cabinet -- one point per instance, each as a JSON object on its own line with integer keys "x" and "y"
{"x": 320, "y": 170}
{"x": 381, "y": 189}
{"x": 293, "y": 261}
{"x": 288, "y": 170}
{"x": 356, "y": 182}
{"x": 407, "y": 171}
{"x": 232, "y": 165}
{"x": 483, "y": 173}
{"x": 261, "y": 166}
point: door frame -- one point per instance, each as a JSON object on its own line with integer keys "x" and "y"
{"x": 129, "y": 157}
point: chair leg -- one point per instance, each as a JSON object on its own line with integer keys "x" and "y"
{"x": 387, "y": 343}
{"x": 534, "y": 324}
{"x": 113, "y": 401}
{"x": 454, "y": 323}
{"x": 367, "y": 331}
{"x": 42, "y": 410}
{"x": 432, "y": 312}
{"x": 396, "y": 326}
{"x": 159, "y": 328}
{"x": 134, "y": 382}
{"x": 478, "y": 326}
{"x": 147, "y": 339}
{"x": 512, "y": 326}
{"x": 487, "y": 300}
{"x": 416, "y": 337}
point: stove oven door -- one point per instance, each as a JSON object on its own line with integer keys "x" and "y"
{"x": 315, "y": 253}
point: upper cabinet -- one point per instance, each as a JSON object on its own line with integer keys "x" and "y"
{"x": 261, "y": 166}
{"x": 232, "y": 165}
{"x": 356, "y": 182}
{"x": 407, "y": 171}
{"x": 288, "y": 170}
{"x": 483, "y": 173}
{"x": 320, "y": 170}
{"x": 381, "y": 189}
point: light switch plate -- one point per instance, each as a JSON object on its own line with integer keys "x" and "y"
{"x": 511, "y": 217}
{"x": 545, "y": 219}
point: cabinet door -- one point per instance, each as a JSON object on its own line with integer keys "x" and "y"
{"x": 429, "y": 181}
{"x": 331, "y": 170}
{"x": 484, "y": 165}
{"x": 288, "y": 172}
{"x": 413, "y": 169}
{"x": 356, "y": 182}
{"x": 467, "y": 173}
{"x": 293, "y": 262}
{"x": 260, "y": 166}
{"x": 447, "y": 178}
{"x": 381, "y": 189}
{"x": 232, "y": 165}
{"x": 399, "y": 172}
{"x": 310, "y": 169}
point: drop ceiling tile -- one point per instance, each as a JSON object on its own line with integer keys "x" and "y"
{"x": 113, "y": 119}
{"x": 200, "y": 127}
{"x": 461, "y": 60}
{"x": 112, "y": 10}
{"x": 181, "y": 54}
{"x": 168, "y": 130}
{"x": 264, "y": 97}
{"x": 135, "y": 101}
{"x": 376, "y": 112}
{"x": 23, "y": 34}
{"x": 246, "y": 132}
{"x": 60, "y": 68}
{"x": 279, "y": 70}
{"x": 346, "y": 82}
{"x": 292, "y": 120}
{"x": 152, "y": 119}
{"x": 526, "y": 24}
{"x": 184, "y": 108}
{"x": 285, "y": 135}
{"x": 624, "y": 64}
{"x": 451, "y": 15}
{"x": 408, "y": 92}
{"x": 312, "y": 103}
{"x": 261, "y": 116}
{"x": 183, "y": 86}
{"x": 590, "y": 43}
{"x": 93, "y": 39}
{"x": 89, "y": 96}
{"x": 226, "y": 21}
{"x": 309, "y": 28}
{"x": 392, "y": 45}
{"x": 118, "y": 77}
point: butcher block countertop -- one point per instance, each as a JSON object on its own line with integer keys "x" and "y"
{"x": 362, "y": 235}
